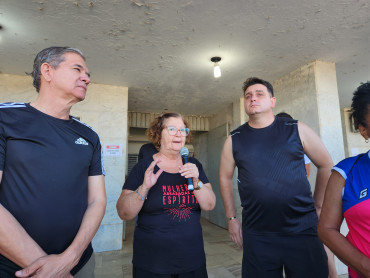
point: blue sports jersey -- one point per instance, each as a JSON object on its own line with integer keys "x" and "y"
{"x": 357, "y": 182}
{"x": 356, "y": 201}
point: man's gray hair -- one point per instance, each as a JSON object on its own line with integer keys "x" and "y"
{"x": 53, "y": 56}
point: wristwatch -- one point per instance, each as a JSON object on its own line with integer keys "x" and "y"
{"x": 199, "y": 185}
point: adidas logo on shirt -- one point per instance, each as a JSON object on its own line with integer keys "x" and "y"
{"x": 81, "y": 141}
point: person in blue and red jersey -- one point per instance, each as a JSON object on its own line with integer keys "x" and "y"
{"x": 168, "y": 239}
{"x": 348, "y": 197}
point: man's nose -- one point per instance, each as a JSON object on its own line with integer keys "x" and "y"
{"x": 86, "y": 78}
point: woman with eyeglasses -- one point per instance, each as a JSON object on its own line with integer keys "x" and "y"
{"x": 168, "y": 241}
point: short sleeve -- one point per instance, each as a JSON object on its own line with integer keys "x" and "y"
{"x": 345, "y": 166}
{"x": 202, "y": 174}
{"x": 136, "y": 177}
{"x": 96, "y": 166}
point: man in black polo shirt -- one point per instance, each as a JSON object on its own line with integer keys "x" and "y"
{"x": 279, "y": 217}
{"x": 52, "y": 191}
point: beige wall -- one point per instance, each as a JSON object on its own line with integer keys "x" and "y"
{"x": 239, "y": 115}
{"x": 105, "y": 110}
{"x": 16, "y": 88}
{"x": 296, "y": 94}
{"x": 224, "y": 116}
{"x": 199, "y": 144}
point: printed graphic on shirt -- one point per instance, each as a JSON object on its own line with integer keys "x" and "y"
{"x": 178, "y": 195}
{"x": 363, "y": 193}
{"x": 182, "y": 213}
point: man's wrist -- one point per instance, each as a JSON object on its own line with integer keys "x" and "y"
{"x": 232, "y": 218}
{"x": 71, "y": 256}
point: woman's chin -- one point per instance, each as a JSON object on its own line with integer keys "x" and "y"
{"x": 177, "y": 147}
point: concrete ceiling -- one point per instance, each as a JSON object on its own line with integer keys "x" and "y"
{"x": 161, "y": 49}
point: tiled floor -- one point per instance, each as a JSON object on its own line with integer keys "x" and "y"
{"x": 223, "y": 258}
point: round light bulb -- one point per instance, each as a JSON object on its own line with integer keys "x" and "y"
{"x": 216, "y": 71}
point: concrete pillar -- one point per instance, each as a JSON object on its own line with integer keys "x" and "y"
{"x": 239, "y": 115}
{"x": 105, "y": 109}
{"x": 329, "y": 110}
{"x": 310, "y": 95}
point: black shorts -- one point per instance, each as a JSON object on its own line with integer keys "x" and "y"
{"x": 198, "y": 273}
{"x": 301, "y": 256}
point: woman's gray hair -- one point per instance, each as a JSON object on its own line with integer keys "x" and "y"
{"x": 53, "y": 56}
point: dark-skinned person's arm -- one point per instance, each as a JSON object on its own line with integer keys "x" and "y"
{"x": 329, "y": 228}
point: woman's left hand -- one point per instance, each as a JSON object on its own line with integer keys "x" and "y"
{"x": 205, "y": 197}
{"x": 189, "y": 170}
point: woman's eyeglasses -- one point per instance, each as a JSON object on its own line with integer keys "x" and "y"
{"x": 173, "y": 131}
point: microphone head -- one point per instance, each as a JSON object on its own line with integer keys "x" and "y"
{"x": 184, "y": 151}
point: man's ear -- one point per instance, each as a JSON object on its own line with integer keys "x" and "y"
{"x": 45, "y": 70}
{"x": 273, "y": 102}
{"x": 363, "y": 132}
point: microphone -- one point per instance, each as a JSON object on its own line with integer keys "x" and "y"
{"x": 184, "y": 154}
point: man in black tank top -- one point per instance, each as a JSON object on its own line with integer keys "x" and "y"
{"x": 279, "y": 217}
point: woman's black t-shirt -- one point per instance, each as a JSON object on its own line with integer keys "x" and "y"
{"x": 168, "y": 235}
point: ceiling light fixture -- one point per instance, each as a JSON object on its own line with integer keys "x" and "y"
{"x": 216, "y": 68}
